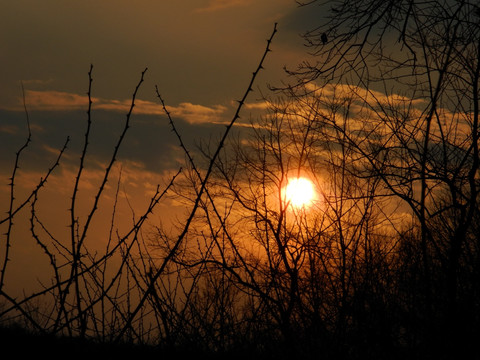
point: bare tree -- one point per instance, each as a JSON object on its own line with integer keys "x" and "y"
{"x": 414, "y": 65}
{"x": 80, "y": 284}
{"x": 384, "y": 122}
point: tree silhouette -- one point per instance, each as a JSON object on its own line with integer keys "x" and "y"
{"x": 384, "y": 263}
{"x": 415, "y": 65}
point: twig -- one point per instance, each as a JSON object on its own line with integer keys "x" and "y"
{"x": 199, "y": 196}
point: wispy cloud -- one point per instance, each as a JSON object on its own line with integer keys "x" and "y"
{"x": 198, "y": 113}
{"x": 54, "y": 100}
{"x": 62, "y": 101}
{"x": 37, "y": 81}
{"x": 8, "y": 129}
{"x": 215, "y": 5}
{"x": 263, "y": 105}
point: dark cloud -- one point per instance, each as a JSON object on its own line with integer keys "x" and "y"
{"x": 149, "y": 140}
{"x": 301, "y": 19}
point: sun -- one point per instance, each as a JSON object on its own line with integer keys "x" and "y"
{"x": 299, "y": 192}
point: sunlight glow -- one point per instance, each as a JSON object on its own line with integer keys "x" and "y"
{"x": 299, "y": 192}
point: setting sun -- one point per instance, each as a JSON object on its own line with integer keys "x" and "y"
{"x": 299, "y": 192}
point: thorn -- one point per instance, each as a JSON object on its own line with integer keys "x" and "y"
{"x": 324, "y": 38}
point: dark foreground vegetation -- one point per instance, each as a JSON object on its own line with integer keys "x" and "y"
{"x": 23, "y": 344}
{"x": 384, "y": 264}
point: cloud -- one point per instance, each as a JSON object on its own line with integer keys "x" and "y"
{"x": 198, "y": 113}
{"x": 64, "y": 101}
{"x": 54, "y": 100}
{"x": 8, "y": 129}
{"x": 192, "y": 113}
{"x": 37, "y": 81}
{"x": 263, "y": 105}
{"x": 216, "y": 5}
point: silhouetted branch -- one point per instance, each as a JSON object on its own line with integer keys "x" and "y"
{"x": 202, "y": 189}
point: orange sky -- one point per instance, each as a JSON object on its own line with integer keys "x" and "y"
{"x": 200, "y": 54}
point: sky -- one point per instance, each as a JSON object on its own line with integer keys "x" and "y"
{"x": 196, "y": 51}
{"x": 199, "y": 53}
